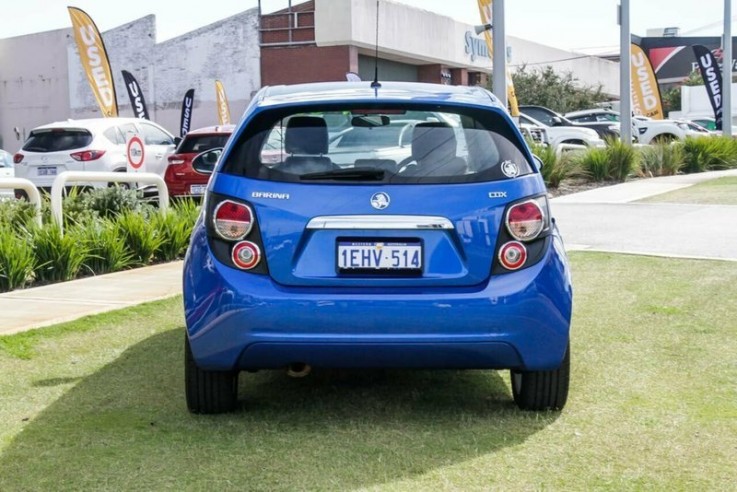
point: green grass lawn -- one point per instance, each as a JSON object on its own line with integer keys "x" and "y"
{"x": 98, "y": 404}
{"x": 722, "y": 191}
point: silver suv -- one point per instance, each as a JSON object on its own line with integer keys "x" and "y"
{"x": 97, "y": 144}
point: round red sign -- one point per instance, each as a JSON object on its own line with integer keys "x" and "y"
{"x": 135, "y": 152}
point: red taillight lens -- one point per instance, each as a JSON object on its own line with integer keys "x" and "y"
{"x": 526, "y": 220}
{"x": 17, "y": 158}
{"x": 233, "y": 221}
{"x": 513, "y": 255}
{"x": 246, "y": 255}
{"x": 87, "y": 155}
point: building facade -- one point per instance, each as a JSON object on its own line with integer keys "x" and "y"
{"x": 41, "y": 77}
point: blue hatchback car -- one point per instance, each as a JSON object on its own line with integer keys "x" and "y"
{"x": 399, "y": 226}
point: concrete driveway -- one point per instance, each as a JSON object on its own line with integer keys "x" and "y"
{"x": 605, "y": 219}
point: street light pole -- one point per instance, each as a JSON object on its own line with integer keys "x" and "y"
{"x": 727, "y": 71}
{"x": 625, "y": 76}
{"x": 499, "y": 79}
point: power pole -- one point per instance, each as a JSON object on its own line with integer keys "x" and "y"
{"x": 727, "y": 70}
{"x": 625, "y": 76}
{"x": 499, "y": 78}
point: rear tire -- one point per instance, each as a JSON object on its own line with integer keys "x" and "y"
{"x": 208, "y": 392}
{"x": 542, "y": 390}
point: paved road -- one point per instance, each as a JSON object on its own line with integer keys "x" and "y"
{"x": 605, "y": 219}
{"x": 702, "y": 231}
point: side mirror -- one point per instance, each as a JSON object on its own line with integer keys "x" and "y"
{"x": 205, "y": 162}
{"x": 177, "y": 141}
{"x": 538, "y": 162}
{"x": 557, "y": 121}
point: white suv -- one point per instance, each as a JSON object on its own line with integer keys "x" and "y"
{"x": 89, "y": 145}
{"x": 571, "y": 135}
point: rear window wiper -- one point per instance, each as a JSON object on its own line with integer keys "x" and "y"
{"x": 347, "y": 174}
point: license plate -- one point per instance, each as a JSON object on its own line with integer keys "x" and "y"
{"x": 47, "y": 170}
{"x": 353, "y": 255}
{"x": 197, "y": 189}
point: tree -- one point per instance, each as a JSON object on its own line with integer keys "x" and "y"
{"x": 559, "y": 92}
{"x": 671, "y": 98}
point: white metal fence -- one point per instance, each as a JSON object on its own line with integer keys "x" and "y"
{"x": 57, "y": 188}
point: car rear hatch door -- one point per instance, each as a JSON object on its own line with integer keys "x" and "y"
{"x": 363, "y": 235}
{"x": 48, "y": 152}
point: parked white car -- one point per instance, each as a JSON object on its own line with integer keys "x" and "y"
{"x": 6, "y": 171}
{"x": 646, "y": 129}
{"x": 97, "y": 144}
{"x": 571, "y": 135}
{"x": 652, "y": 131}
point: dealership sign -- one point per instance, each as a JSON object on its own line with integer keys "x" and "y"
{"x": 476, "y": 47}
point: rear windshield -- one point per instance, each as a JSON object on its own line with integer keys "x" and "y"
{"x": 196, "y": 144}
{"x": 408, "y": 144}
{"x": 57, "y": 139}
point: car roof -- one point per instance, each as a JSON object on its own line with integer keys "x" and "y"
{"x": 408, "y": 92}
{"x": 585, "y": 112}
{"x": 212, "y": 129}
{"x": 90, "y": 123}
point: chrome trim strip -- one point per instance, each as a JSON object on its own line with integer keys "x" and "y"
{"x": 380, "y": 222}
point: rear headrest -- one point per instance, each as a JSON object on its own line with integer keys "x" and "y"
{"x": 433, "y": 140}
{"x": 306, "y": 135}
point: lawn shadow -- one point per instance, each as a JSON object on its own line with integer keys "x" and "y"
{"x": 126, "y": 426}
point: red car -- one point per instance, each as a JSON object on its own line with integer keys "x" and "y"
{"x": 180, "y": 178}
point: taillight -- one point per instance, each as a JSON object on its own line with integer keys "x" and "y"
{"x": 175, "y": 159}
{"x": 87, "y": 155}
{"x": 512, "y": 255}
{"x": 246, "y": 255}
{"x": 526, "y": 220}
{"x": 17, "y": 158}
{"x": 232, "y": 221}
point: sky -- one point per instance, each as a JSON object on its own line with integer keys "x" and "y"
{"x": 589, "y": 26}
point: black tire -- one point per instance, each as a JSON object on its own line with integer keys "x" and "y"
{"x": 208, "y": 392}
{"x": 542, "y": 390}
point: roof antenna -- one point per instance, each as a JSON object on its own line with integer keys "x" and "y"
{"x": 375, "y": 84}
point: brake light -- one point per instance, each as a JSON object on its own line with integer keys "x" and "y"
{"x": 175, "y": 159}
{"x": 246, "y": 255}
{"x": 526, "y": 220}
{"x": 87, "y": 155}
{"x": 17, "y": 158}
{"x": 513, "y": 255}
{"x": 232, "y": 221}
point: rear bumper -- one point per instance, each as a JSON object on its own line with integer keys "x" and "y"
{"x": 246, "y": 321}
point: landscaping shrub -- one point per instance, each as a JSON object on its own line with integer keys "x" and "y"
{"x": 556, "y": 168}
{"x": 175, "y": 228}
{"x": 82, "y": 207}
{"x": 709, "y": 154}
{"x": 623, "y": 160}
{"x": 107, "y": 251}
{"x": 16, "y": 260}
{"x": 595, "y": 164}
{"x": 16, "y": 214}
{"x": 58, "y": 258}
{"x": 140, "y": 235}
{"x": 661, "y": 159}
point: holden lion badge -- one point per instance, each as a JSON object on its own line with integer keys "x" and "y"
{"x": 380, "y": 200}
{"x": 510, "y": 169}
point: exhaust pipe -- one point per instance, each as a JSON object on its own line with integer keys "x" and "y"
{"x": 298, "y": 370}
